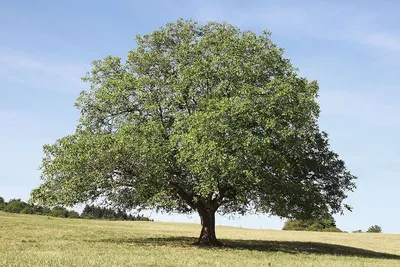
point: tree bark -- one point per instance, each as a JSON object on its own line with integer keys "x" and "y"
{"x": 207, "y": 234}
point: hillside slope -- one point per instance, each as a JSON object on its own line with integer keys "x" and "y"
{"x": 29, "y": 240}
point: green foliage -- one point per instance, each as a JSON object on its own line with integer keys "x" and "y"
{"x": 39, "y": 210}
{"x": 374, "y": 229}
{"x": 199, "y": 117}
{"x": 358, "y": 231}
{"x": 15, "y": 206}
{"x": 94, "y": 212}
{"x": 89, "y": 212}
{"x": 28, "y": 210}
{"x": 139, "y": 218}
{"x": 19, "y": 206}
{"x": 59, "y": 212}
{"x": 73, "y": 214}
{"x": 326, "y": 224}
{"x": 3, "y": 204}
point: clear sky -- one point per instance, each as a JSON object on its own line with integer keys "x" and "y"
{"x": 353, "y": 50}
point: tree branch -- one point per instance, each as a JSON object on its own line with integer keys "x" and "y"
{"x": 184, "y": 195}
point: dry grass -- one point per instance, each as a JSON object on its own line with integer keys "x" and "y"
{"x": 27, "y": 240}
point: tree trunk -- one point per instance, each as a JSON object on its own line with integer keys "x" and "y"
{"x": 207, "y": 235}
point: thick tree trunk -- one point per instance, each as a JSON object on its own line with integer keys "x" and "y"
{"x": 207, "y": 235}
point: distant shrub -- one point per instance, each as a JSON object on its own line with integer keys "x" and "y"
{"x": 374, "y": 229}
{"x": 46, "y": 211}
{"x": 28, "y": 210}
{"x": 2, "y": 204}
{"x": 296, "y": 225}
{"x": 73, "y": 214}
{"x": 139, "y": 218}
{"x": 327, "y": 224}
{"x": 15, "y": 206}
{"x": 357, "y": 231}
{"x": 39, "y": 210}
{"x": 333, "y": 229}
{"x": 59, "y": 212}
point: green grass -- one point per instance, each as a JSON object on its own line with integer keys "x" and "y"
{"x": 28, "y": 240}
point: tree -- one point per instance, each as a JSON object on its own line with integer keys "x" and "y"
{"x": 325, "y": 224}
{"x": 374, "y": 229}
{"x": 15, "y": 206}
{"x": 203, "y": 118}
{"x": 59, "y": 212}
{"x": 2, "y": 203}
{"x": 27, "y": 210}
{"x": 73, "y": 214}
{"x": 39, "y": 210}
{"x": 87, "y": 212}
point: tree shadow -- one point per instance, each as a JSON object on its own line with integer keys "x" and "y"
{"x": 291, "y": 247}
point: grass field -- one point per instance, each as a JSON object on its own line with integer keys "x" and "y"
{"x": 28, "y": 240}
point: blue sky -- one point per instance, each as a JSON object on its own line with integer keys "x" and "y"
{"x": 353, "y": 50}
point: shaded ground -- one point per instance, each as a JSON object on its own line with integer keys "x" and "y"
{"x": 290, "y": 247}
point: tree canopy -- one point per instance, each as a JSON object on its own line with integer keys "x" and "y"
{"x": 204, "y": 118}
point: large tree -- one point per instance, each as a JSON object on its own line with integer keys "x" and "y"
{"x": 204, "y": 118}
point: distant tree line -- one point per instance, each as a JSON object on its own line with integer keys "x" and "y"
{"x": 95, "y": 212}
{"x": 372, "y": 229}
{"x": 89, "y": 212}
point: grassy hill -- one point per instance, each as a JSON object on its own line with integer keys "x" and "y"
{"x": 28, "y": 240}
